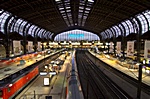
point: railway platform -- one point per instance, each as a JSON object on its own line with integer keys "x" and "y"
{"x": 13, "y": 67}
{"x": 131, "y": 72}
{"x": 56, "y": 89}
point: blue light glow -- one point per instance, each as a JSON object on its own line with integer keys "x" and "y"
{"x": 75, "y": 35}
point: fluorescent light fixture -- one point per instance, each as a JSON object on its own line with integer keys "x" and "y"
{"x": 90, "y": 0}
{"x": 43, "y": 73}
{"x": 52, "y": 73}
{"x": 57, "y": 0}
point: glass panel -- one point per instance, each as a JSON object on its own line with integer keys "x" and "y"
{"x": 76, "y": 35}
{"x": 42, "y": 36}
{"x": 12, "y": 25}
{"x": 17, "y": 24}
{"x": 113, "y": 32}
{"x": 83, "y": 14}
{"x": 1, "y": 93}
{"x": 135, "y": 25}
{"x": 51, "y": 35}
{"x": 143, "y": 23}
{"x": 40, "y": 32}
{"x": 37, "y": 31}
{"x": 109, "y": 33}
{"x": 147, "y": 15}
{"x": 21, "y": 27}
{"x": 3, "y": 18}
{"x": 65, "y": 11}
{"x": 48, "y": 36}
{"x": 30, "y": 29}
{"x": 104, "y": 36}
{"x": 130, "y": 26}
{"x": 115, "y": 28}
{"x": 34, "y": 31}
{"x": 126, "y": 28}
{"x": 119, "y": 31}
{"x": 9, "y": 29}
{"x": 27, "y": 28}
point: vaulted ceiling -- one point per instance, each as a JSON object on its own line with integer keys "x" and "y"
{"x": 61, "y": 15}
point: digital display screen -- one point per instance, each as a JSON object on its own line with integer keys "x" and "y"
{"x": 75, "y": 35}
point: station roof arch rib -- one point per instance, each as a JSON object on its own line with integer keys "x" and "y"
{"x": 95, "y": 16}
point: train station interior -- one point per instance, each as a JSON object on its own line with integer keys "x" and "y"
{"x": 74, "y": 49}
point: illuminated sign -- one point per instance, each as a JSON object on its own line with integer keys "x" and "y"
{"x": 52, "y": 73}
{"x": 43, "y": 73}
{"x": 46, "y": 81}
{"x": 75, "y": 35}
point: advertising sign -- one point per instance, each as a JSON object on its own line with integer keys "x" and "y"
{"x": 118, "y": 47}
{"x": 16, "y": 47}
{"x": 111, "y": 47}
{"x": 30, "y": 46}
{"x": 39, "y": 46}
{"x": 147, "y": 49}
{"x": 46, "y": 81}
{"x": 130, "y": 48}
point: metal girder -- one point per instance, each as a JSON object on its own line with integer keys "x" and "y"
{"x": 103, "y": 14}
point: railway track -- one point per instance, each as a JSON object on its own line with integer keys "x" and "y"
{"x": 95, "y": 84}
{"x": 145, "y": 88}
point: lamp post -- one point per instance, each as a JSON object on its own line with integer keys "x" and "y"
{"x": 139, "y": 82}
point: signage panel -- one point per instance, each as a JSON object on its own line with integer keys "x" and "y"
{"x": 147, "y": 49}
{"x": 46, "y": 81}
{"x": 130, "y": 48}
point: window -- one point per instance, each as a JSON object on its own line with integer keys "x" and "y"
{"x": 8, "y": 89}
{"x": 31, "y": 29}
{"x": 130, "y": 26}
{"x": 1, "y": 93}
{"x": 109, "y": 33}
{"x": 147, "y": 15}
{"x": 126, "y": 28}
{"x": 143, "y": 23}
{"x": 3, "y": 18}
{"x": 76, "y": 35}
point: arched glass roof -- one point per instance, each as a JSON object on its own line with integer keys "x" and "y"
{"x": 65, "y": 10}
{"x": 131, "y": 25}
{"x": 3, "y": 18}
{"x": 20, "y": 26}
{"x": 76, "y": 35}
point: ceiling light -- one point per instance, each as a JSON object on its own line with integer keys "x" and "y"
{"x": 57, "y": 0}
{"x": 90, "y": 0}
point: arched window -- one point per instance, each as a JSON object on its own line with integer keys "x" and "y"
{"x": 76, "y": 35}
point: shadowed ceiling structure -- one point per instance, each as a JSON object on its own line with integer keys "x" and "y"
{"x": 62, "y": 15}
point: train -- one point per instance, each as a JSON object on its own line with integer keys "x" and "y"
{"x": 73, "y": 89}
{"x": 13, "y": 84}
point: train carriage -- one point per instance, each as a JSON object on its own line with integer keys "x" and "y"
{"x": 10, "y": 86}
